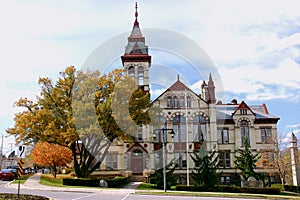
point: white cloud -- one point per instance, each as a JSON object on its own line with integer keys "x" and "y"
{"x": 293, "y": 126}
{"x": 241, "y": 37}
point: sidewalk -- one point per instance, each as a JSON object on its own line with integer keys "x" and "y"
{"x": 32, "y": 183}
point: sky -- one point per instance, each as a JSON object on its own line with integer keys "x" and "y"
{"x": 254, "y": 46}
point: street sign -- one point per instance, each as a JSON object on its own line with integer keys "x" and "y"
{"x": 21, "y": 151}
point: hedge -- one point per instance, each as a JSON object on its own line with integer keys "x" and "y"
{"x": 116, "y": 182}
{"x": 292, "y": 188}
{"x": 230, "y": 189}
{"x": 81, "y": 182}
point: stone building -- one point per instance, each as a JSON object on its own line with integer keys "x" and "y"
{"x": 192, "y": 117}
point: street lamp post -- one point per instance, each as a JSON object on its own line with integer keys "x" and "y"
{"x": 163, "y": 139}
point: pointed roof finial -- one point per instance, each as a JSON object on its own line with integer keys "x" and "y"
{"x": 210, "y": 78}
{"x": 136, "y": 12}
{"x": 177, "y": 77}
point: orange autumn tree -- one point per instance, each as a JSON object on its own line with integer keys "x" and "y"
{"x": 51, "y": 155}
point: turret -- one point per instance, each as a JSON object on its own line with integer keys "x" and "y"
{"x": 136, "y": 59}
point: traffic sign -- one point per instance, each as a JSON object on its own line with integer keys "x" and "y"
{"x": 21, "y": 151}
{"x": 20, "y": 168}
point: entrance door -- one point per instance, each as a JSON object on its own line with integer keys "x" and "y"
{"x": 137, "y": 162}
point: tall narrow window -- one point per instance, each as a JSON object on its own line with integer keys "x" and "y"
{"x": 175, "y": 102}
{"x": 141, "y": 75}
{"x": 182, "y": 102}
{"x": 112, "y": 161}
{"x": 139, "y": 137}
{"x": 224, "y": 159}
{"x": 223, "y": 136}
{"x": 179, "y": 128}
{"x": 131, "y": 71}
{"x": 180, "y": 160}
{"x": 199, "y": 128}
{"x": 169, "y": 102}
{"x": 157, "y": 160}
{"x": 188, "y": 102}
{"x": 244, "y": 132}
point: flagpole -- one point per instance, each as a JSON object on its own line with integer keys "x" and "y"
{"x": 187, "y": 141}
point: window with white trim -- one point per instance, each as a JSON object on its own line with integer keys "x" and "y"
{"x": 223, "y": 136}
{"x": 224, "y": 159}
{"x": 266, "y": 135}
{"x": 199, "y": 128}
{"x": 112, "y": 161}
{"x": 179, "y": 128}
{"x": 244, "y": 126}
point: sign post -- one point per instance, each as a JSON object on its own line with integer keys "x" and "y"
{"x": 19, "y": 172}
{"x": 20, "y": 154}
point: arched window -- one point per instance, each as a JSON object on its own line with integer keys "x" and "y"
{"x": 131, "y": 71}
{"x": 137, "y": 153}
{"x": 199, "y": 128}
{"x": 169, "y": 102}
{"x": 141, "y": 75}
{"x": 179, "y": 127}
{"x": 175, "y": 100}
{"x": 244, "y": 132}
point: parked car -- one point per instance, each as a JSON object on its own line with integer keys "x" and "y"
{"x": 46, "y": 171}
{"x": 8, "y": 174}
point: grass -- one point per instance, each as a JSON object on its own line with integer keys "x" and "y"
{"x": 49, "y": 180}
{"x": 22, "y": 180}
{"x": 146, "y": 186}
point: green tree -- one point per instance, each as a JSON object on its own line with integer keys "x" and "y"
{"x": 158, "y": 176}
{"x": 76, "y": 112}
{"x": 206, "y": 164}
{"x": 246, "y": 162}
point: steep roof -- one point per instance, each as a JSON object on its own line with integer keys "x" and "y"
{"x": 177, "y": 86}
{"x": 136, "y": 42}
{"x": 226, "y": 111}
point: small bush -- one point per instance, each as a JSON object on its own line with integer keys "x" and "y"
{"x": 117, "y": 182}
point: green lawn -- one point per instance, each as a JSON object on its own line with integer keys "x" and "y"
{"x": 146, "y": 186}
{"x": 22, "y": 180}
{"x": 47, "y": 179}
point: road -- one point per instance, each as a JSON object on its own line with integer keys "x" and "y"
{"x": 103, "y": 195}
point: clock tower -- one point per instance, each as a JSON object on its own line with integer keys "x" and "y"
{"x": 136, "y": 59}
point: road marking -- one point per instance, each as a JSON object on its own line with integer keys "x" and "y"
{"x": 83, "y": 197}
{"x": 126, "y": 196}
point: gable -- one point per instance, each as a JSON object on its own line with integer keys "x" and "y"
{"x": 243, "y": 109}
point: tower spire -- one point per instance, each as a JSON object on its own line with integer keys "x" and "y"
{"x": 136, "y": 13}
